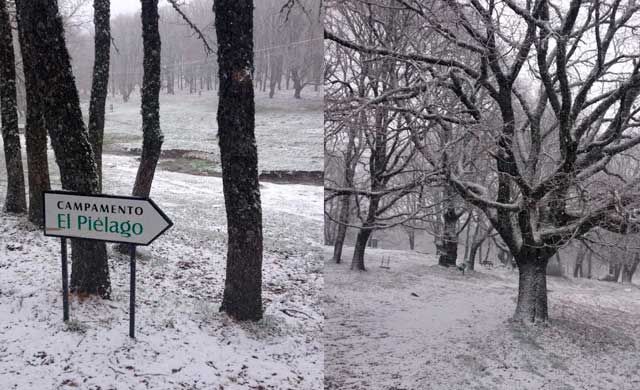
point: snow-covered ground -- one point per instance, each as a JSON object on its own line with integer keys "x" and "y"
{"x": 183, "y": 342}
{"x": 418, "y": 326}
{"x": 289, "y": 131}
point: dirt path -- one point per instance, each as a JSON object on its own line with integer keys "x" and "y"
{"x": 455, "y": 333}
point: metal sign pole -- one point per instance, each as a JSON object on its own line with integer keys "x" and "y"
{"x": 96, "y": 217}
{"x": 65, "y": 280}
{"x": 132, "y": 291}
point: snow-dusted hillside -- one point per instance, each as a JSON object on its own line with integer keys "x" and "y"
{"x": 419, "y": 326}
{"x": 289, "y": 131}
{"x": 183, "y": 342}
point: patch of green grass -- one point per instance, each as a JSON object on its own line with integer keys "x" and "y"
{"x": 119, "y": 138}
{"x": 193, "y": 166}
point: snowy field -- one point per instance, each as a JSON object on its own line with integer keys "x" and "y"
{"x": 183, "y": 342}
{"x": 289, "y": 131}
{"x": 419, "y": 326}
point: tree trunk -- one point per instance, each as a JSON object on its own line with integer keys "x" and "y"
{"x": 297, "y": 83}
{"x": 474, "y": 244}
{"x": 342, "y": 229}
{"x": 577, "y": 268}
{"x": 152, "y": 137}
{"x": 330, "y": 228}
{"x": 449, "y": 244}
{"x": 35, "y": 131}
{"x": 345, "y": 201}
{"x": 150, "y": 99}
{"x": 532, "y": 287}
{"x": 272, "y": 88}
{"x": 357, "y": 262}
{"x": 287, "y": 78}
{"x": 170, "y": 79}
{"x": 614, "y": 269}
{"x": 69, "y": 138}
{"x": 239, "y": 156}
{"x": 126, "y": 89}
{"x": 16, "y": 201}
{"x": 629, "y": 269}
{"x": 471, "y": 261}
{"x": 412, "y": 239}
{"x": 265, "y": 72}
{"x": 101, "y": 16}
{"x": 362, "y": 239}
{"x": 276, "y": 74}
{"x": 112, "y": 86}
{"x": 467, "y": 240}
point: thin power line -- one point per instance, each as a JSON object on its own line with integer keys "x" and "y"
{"x": 289, "y": 44}
{"x": 176, "y": 65}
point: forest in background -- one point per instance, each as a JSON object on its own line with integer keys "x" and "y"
{"x": 288, "y": 49}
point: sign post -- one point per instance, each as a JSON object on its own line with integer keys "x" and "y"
{"x": 132, "y": 289}
{"x": 65, "y": 280}
{"x": 121, "y": 219}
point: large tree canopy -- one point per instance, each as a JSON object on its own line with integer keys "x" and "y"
{"x": 560, "y": 83}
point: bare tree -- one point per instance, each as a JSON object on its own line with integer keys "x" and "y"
{"x": 126, "y": 62}
{"x": 575, "y": 82}
{"x": 380, "y": 175}
{"x": 343, "y": 143}
{"x": 15, "y": 201}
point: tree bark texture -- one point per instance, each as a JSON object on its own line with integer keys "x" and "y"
{"x": 449, "y": 243}
{"x": 357, "y": 262}
{"x": 614, "y": 271}
{"x": 342, "y": 229}
{"x": 473, "y": 251}
{"x": 297, "y": 83}
{"x": 532, "y": 287}
{"x": 100, "y": 82}
{"x": 69, "y": 137}
{"x": 150, "y": 100}
{"x": 15, "y": 201}
{"x": 239, "y": 156}
{"x": 345, "y": 201}
{"x": 577, "y": 268}
{"x": 35, "y": 130}
{"x": 276, "y": 73}
{"x": 629, "y": 268}
{"x": 412, "y": 239}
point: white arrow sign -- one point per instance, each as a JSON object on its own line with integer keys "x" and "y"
{"x": 111, "y": 218}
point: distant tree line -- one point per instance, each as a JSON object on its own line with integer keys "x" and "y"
{"x": 288, "y": 50}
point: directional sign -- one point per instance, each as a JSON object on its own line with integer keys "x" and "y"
{"x": 110, "y": 218}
